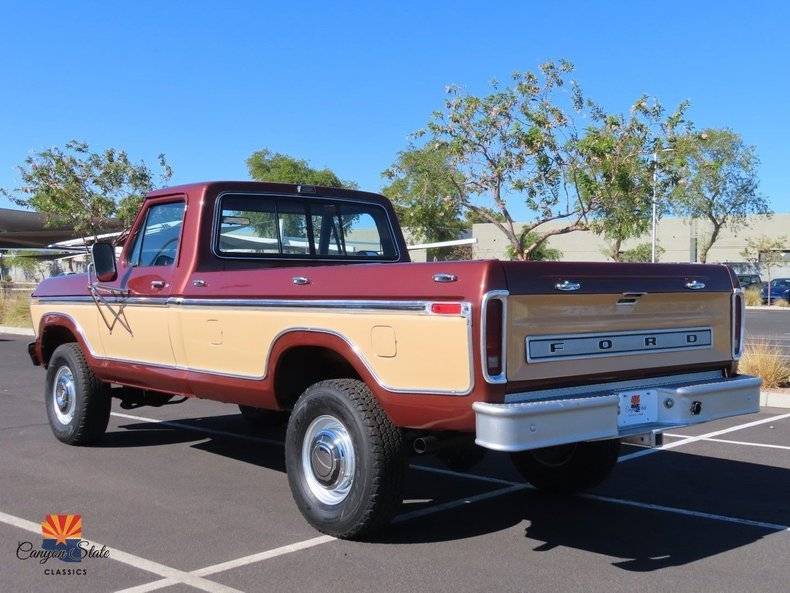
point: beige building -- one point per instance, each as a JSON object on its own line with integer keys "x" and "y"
{"x": 678, "y": 237}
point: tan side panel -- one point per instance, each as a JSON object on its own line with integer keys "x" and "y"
{"x": 572, "y": 314}
{"x": 84, "y": 315}
{"x": 432, "y": 352}
{"x": 141, "y": 334}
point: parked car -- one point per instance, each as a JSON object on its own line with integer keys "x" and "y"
{"x": 299, "y": 305}
{"x": 750, "y": 281}
{"x": 780, "y": 289}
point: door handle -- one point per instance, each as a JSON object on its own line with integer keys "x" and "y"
{"x": 199, "y": 283}
{"x": 695, "y": 285}
{"x": 158, "y": 284}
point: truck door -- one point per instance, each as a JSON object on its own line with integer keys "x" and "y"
{"x": 137, "y": 327}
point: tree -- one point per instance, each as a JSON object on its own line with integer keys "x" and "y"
{"x": 721, "y": 183}
{"x": 422, "y": 185}
{"x": 613, "y": 166}
{"x": 85, "y": 190}
{"x": 765, "y": 254}
{"x": 275, "y": 167}
{"x": 521, "y": 144}
{"x": 642, "y": 253}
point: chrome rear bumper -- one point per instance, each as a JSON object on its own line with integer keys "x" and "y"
{"x": 557, "y": 421}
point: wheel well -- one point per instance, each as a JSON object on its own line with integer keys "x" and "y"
{"x": 53, "y": 337}
{"x": 301, "y": 366}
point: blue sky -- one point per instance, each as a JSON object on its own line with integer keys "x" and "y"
{"x": 344, "y": 84}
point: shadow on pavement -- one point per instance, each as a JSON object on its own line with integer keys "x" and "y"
{"x": 641, "y": 539}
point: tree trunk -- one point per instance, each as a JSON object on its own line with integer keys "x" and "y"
{"x": 703, "y": 254}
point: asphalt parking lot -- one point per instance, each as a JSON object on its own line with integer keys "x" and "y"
{"x": 186, "y": 498}
{"x": 771, "y": 326}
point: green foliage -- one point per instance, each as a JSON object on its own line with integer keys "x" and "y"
{"x": 642, "y": 253}
{"x": 275, "y": 167}
{"x": 521, "y": 143}
{"x": 423, "y": 189}
{"x": 541, "y": 251}
{"x": 85, "y": 190}
{"x": 613, "y": 168}
{"x": 720, "y": 182}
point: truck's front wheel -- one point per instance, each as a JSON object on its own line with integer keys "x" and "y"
{"x": 78, "y": 404}
{"x": 345, "y": 459}
{"x": 565, "y": 469}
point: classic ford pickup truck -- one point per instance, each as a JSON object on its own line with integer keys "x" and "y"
{"x": 299, "y": 304}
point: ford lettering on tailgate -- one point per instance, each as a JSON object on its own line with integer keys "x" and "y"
{"x": 564, "y": 347}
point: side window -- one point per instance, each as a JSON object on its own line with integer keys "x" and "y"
{"x": 268, "y": 226}
{"x": 157, "y": 243}
{"x": 248, "y": 227}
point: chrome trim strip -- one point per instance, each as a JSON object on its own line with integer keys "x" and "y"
{"x": 502, "y": 296}
{"x": 466, "y": 313}
{"x": 528, "y": 339}
{"x": 556, "y": 392}
{"x": 348, "y": 304}
{"x": 736, "y": 354}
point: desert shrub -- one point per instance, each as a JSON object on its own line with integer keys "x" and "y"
{"x": 766, "y": 361}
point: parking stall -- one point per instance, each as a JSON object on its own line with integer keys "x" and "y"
{"x": 186, "y": 497}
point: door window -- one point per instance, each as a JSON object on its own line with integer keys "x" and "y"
{"x": 157, "y": 243}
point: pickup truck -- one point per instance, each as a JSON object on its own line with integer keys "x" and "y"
{"x": 299, "y": 304}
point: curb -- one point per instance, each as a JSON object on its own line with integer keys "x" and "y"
{"x": 774, "y": 399}
{"x": 16, "y": 331}
{"x": 766, "y": 308}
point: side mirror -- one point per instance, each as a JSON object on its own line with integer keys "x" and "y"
{"x": 104, "y": 261}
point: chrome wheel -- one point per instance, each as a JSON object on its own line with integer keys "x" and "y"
{"x": 64, "y": 395}
{"x": 328, "y": 460}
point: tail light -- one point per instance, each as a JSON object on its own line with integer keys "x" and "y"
{"x": 492, "y": 332}
{"x": 737, "y": 323}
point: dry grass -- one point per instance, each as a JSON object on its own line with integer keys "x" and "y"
{"x": 753, "y": 297}
{"x": 780, "y": 303}
{"x": 765, "y": 360}
{"x": 15, "y": 311}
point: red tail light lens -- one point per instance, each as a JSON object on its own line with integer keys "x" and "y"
{"x": 494, "y": 337}
{"x": 737, "y": 324}
{"x": 446, "y": 308}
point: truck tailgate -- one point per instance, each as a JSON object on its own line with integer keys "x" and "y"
{"x": 617, "y": 317}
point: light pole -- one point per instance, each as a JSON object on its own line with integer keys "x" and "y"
{"x": 655, "y": 184}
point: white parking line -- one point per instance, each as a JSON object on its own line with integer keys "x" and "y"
{"x": 317, "y": 541}
{"x": 748, "y": 444}
{"x": 692, "y": 439}
{"x": 630, "y": 503}
{"x": 176, "y": 424}
{"x": 173, "y": 575}
{"x": 510, "y": 488}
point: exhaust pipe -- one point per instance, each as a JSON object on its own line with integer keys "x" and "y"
{"x": 430, "y": 443}
{"x": 424, "y": 445}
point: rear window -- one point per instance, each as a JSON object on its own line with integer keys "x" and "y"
{"x": 255, "y": 226}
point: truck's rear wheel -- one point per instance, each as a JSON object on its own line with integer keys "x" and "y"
{"x": 565, "y": 469}
{"x": 258, "y": 418}
{"x": 78, "y": 404}
{"x": 345, "y": 459}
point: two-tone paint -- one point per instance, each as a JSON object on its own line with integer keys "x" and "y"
{"x": 218, "y": 328}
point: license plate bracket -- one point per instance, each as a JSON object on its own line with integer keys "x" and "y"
{"x": 638, "y": 406}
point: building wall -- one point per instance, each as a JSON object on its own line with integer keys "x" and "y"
{"x": 675, "y": 235}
